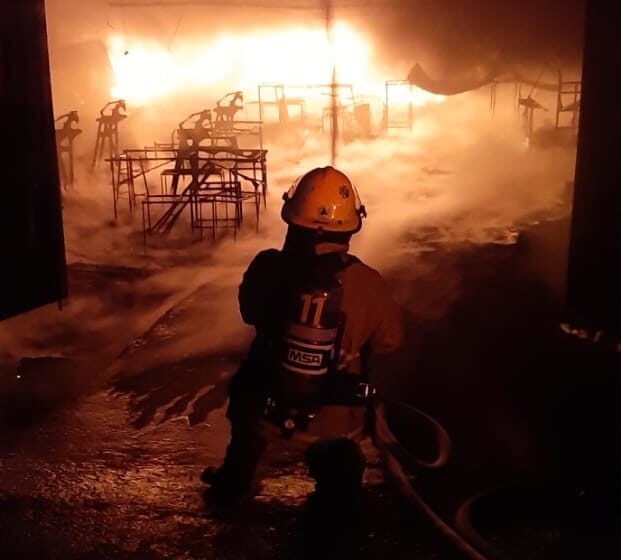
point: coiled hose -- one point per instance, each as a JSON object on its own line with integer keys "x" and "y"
{"x": 399, "y": 460}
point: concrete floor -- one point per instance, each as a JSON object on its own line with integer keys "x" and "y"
{"x": 109, "y": 468}
{"x": 113, "y": 473}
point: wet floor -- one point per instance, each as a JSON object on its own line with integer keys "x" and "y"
{"x": 109, "y": 468}
{"x": 114, "y": 473}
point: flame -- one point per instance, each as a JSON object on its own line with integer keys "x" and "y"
{"x": 146, "y": 71}
{"x": 143, "y": 73}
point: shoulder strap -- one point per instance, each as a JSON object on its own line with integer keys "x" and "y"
{"x": 348, "y": 260}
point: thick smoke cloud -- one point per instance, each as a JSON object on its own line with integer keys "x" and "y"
{"x": 446, "y": 35}
{"x": 463, "y": 175}
{"x": 450, "y": 35}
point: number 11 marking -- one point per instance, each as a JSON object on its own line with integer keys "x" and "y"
{"x": 309, "y": 300}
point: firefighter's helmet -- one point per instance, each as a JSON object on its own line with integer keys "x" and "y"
{"x": 324, "y": 198}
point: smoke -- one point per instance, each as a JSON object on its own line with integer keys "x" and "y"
{"x": 461, "y": 178}
{"x": 450, "y": 35}
{"x": 462, "y": 175}
{"x": 447, "y": 38}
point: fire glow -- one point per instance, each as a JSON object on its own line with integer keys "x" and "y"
{"x": 146, "y": 71}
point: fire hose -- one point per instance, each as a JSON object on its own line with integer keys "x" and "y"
{"x": 401, "y": 464}
{"x": 464, "y": 521}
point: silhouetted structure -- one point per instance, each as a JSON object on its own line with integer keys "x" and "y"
{"x": 33, "y": 253}
{"x": 568, "y": 100}
{"x": 221, "y": 179}
{"x": 594, "y": 273}
{"x": 227, "y": 112}
{"x": 394, "y": 109}
{"x": 190, "y": 137}
{"x": 273, "y": 95}
{"x": 65, "y": 135}
{"x": 529, "y": 106}
{"x": 107, "y": 130}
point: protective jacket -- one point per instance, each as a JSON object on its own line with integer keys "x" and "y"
{"x": 372, "y": 324}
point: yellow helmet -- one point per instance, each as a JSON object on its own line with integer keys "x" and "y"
{"x": 324, "y": 198}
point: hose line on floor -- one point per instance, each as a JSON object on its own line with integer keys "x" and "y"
{"x": 397, "y": 457}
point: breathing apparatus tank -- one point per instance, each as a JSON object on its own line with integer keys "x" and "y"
{"x": 310, "y": 340}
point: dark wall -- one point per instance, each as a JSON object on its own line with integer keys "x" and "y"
{"x": 31, "y": 236}
{"x": 594, "y": 282}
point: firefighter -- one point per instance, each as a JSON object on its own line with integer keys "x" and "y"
{"x": 320, "y": 314}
